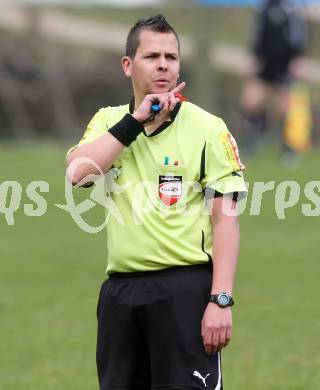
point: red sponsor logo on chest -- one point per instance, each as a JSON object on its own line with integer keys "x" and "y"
{"x": 170, "y": 189}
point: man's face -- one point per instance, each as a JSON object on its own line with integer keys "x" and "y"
{"x": 155, "y": 67}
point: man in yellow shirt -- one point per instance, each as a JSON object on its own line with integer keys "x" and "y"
{"x": 163, "y": 315}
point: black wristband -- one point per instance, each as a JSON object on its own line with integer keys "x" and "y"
{"x": 126, "y": 130}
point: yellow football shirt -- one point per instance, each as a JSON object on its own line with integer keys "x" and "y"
{"x": 157, "y": 188}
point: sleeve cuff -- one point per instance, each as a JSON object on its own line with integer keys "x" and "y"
{"x": 229, "y": 185}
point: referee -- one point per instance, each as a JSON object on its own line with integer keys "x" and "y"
{"x": 164, "y": 311}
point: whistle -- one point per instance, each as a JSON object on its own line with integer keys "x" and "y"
{"x": 155, "y": 107}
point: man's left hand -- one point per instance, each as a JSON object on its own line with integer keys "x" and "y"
{"x": 216, "y": 328}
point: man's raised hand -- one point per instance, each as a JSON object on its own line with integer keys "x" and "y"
{"x": 167, "y": 102}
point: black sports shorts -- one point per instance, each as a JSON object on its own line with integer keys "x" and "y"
{"x": 149, "y": 331}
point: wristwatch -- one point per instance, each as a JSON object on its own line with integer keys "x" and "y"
{"x": 222, "y": 299}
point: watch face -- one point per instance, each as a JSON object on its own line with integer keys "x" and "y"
{"x": 223, "y": 299}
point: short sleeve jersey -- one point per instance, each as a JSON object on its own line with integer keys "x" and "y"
{"x": 157, "y": 187}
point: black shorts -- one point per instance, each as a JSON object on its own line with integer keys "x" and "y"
{"x": 149, "y": 331}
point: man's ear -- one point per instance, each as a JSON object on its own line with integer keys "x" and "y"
{"x": 126, "y": 63}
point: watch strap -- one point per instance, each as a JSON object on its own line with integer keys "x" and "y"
{"x": 216, "y": 298}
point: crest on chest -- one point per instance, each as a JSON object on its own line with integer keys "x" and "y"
{"x": 170, "y": 189}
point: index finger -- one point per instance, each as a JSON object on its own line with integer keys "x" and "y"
{"x": 179, "y": 87}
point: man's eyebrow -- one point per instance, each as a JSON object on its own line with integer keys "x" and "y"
{"x": 157, "y": 53}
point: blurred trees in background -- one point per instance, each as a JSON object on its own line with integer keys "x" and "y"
{"x": 58, "y": 67}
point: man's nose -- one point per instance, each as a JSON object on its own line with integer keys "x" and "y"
{"x": 162, "y": 64}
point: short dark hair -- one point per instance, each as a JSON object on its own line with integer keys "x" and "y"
{"x": 155, "y": 23}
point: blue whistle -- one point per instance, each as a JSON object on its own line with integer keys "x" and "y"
{"x": 155, "y": 107}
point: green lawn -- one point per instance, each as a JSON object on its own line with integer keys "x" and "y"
{"x": 50, "y": 274}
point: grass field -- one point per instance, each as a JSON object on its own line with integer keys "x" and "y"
{"x": 50, "y": 274}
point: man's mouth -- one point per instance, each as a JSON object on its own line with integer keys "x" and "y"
{"x": 161, "y": 82}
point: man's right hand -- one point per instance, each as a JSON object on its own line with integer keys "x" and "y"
{"x": 167, "y": 102}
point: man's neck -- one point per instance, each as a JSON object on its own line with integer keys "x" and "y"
{"x": 137, "y": 101}
{"x": 158, "y": 121}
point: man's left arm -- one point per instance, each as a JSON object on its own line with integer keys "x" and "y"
{"x": 216, "y": 326}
